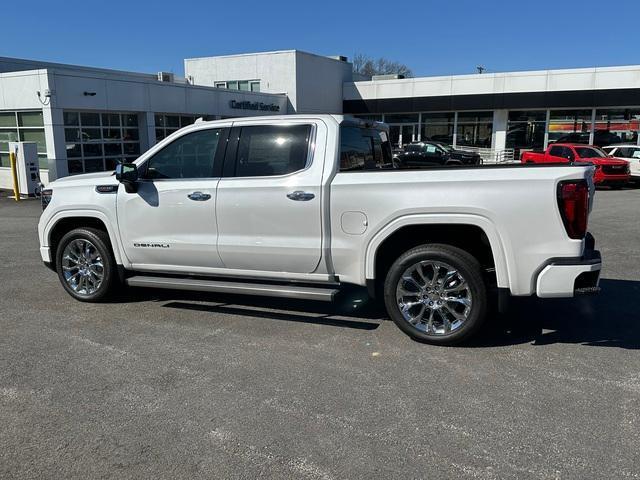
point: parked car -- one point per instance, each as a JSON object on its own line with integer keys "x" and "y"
{"x": 424, "y": 154}
{"x": 305, "y": 207}
{"x": 600, "y": 138}
{"x": 609, "y": 171}
{"x": 628, "y": 152}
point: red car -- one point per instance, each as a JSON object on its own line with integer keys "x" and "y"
{"x": 609, "y": 171}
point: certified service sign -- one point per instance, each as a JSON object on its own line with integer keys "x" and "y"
{"x": 247, "y": 105}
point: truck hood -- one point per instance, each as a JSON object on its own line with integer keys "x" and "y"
{"x": 84, "y": 178}
{"x": 605, "y": 161}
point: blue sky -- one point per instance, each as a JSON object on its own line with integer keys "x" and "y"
{"x": 431, "y": 37}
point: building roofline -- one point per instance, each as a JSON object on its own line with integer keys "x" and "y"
{"x": 272, "y": 52}
{"x": 514, "y": 73}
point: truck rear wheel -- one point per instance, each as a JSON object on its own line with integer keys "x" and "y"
{"x": 436, "y": 294}
{"x": 85, "y": 264}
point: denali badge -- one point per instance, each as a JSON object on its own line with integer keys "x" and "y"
{"x": 151, "y": 245}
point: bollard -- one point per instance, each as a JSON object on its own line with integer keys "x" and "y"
{"x": 14, "y": 175}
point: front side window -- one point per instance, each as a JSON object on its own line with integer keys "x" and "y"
{"x": 364, "y": 149}
{"x": 267, "y": 150}
{"x": 586, "y": 152}
{"x": 190, "y": 156}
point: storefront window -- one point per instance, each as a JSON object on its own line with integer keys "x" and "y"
{"x": 616, "y": 126}
{"x": 97, "y": 141}
{"x": 438, "y": 127}
{"x": 475, "y": 129}
{"x": 525, "y": 131}
{"x": 166, "y": 124}
{"x": 22, "y": 127}
{"x": 570, "y": 126}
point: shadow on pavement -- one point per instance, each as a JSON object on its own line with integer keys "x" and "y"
{"x": 610, "y": 319}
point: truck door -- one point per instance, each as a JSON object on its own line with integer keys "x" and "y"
{"x": 557, "y": 154}
{"x": 268, "y": 205}
{"x": 170, "y": 219}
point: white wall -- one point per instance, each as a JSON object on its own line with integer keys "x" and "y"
{"x": 275, "y": 70}
{"x": 313, "y": 83}
{"x": 511, "y": 82}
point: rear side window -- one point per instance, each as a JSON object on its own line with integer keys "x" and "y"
{"x": 364, "y": 149}
{"x": 266, "y": 150}
{"x": 556, "y": 151}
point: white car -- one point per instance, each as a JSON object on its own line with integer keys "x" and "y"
{"x": 628, "y": 152}
{"x": 308, "y": 206}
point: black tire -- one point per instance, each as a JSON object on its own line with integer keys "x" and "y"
{"x": 100, "y": 240}
{"x": 469, "y": 270}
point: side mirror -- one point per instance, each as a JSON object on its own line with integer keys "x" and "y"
{"x": 127, "y": 174}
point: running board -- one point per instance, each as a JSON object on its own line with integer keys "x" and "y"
{"x": 264, "y": 289}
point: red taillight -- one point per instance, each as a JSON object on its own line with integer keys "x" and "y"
{"x": 573, "y": 201}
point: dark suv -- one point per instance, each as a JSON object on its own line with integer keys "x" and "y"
{"x": 426, "y": 154}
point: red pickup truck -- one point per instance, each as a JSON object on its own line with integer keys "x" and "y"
{"x": 609, "y": 171}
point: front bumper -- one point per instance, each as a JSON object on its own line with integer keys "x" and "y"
{"x": 568, "y": 277}
{"x": 601, "y": 178}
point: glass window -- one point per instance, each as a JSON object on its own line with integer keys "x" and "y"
{"x": 30, "y": 119}
{"x": 110, "y": 120}
{"x": 266, "y": 150}
{"x": 569, "y": 126}
{"x": 364, "y": 149}
{"x": 556, "y": 151}
{"x": 159, "y": 120}
{"x": 402, "y": 118}
{"x": 4, "y": 160}
{"x": 130, "y": 119}
{"x": 616, "y": 126}
{"x": 34, "y": 135}
{"x": 7, "y": 119}
{"x": 587, "y": 152}
{"x": 475, "y": 129}
{"x": 438, "y": 127}
{"x": 243, "y": 85}
{"x": 255, "y": 86}
{"x": 6, "y": 136}
{"x": 71, "y": 118}
{"x": 90, "y": 119}
{"x": 232, "y": 85}
{"x": 172, "y": 121}
{"x": 525, "y": 131}
{"x": 220, "y": 84}
{"x": 92, "y": 136}
{"x": 373, "y": 118}
{"x": 190, "y": 156}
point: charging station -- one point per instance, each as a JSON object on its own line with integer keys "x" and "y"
{"x": 27, "y": 167}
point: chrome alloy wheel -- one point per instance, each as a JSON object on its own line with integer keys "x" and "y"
{"x": 82, "y": 266}
{"x": 434, "y": 297}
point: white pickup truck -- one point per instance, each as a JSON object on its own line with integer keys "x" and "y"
{"x": 304, "y": 206}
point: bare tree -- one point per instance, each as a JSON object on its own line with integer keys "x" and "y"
{"x": 365, "y": 65}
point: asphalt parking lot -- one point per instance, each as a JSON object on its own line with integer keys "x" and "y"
{"x": 178, "y": 385}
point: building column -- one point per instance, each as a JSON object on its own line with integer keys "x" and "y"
{"x": 54, "y": 137}
{"x": 499, "y": 134}
{"x": 147, "y": 130}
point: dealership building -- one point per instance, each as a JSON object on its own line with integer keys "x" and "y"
{"x": 86, "y": 119}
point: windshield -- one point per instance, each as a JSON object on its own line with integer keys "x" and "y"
{"x": 589, "y": 152}
{"x": 446, "y": 148}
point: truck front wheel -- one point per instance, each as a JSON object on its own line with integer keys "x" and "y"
{"x": 436, "y": 294}
{"x": 85, "y": 264}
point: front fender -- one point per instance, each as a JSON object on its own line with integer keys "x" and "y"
{"x": 51, "y": 222}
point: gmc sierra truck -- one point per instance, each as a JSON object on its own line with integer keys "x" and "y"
{"x": 308, "y": 206}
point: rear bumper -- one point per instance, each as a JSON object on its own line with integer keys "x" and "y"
{"x": 568, "y": 277}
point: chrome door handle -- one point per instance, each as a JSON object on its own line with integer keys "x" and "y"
{"x": 301, "y": 196}
{"x": 199, "y": 196}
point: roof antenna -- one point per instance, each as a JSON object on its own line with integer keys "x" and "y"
{"x": 480, "y": 69}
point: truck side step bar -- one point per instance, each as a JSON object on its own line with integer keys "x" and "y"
{"x": 268, "y": 290}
